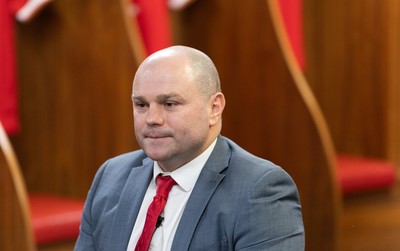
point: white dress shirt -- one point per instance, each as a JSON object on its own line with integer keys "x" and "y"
{"x": 185, "y": 177}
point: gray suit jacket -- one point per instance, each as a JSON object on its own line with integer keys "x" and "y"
{"x": 240, "y": 202}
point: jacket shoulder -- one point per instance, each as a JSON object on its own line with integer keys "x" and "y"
{"x": 242, "y": 157}
{"x": 134, "y": 158}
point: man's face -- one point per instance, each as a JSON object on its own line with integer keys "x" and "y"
{"x": 171, "y": 117}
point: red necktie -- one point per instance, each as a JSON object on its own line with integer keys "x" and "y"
{"x": 164, "y": 185}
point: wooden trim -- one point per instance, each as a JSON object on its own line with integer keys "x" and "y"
{"x": 311, "y": 104}
{"x": 20, "y": 189}
{"x": 393, "y": 135}
{"x": 132, "y": 28}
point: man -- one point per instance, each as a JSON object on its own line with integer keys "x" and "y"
{"x": 224, "y": 198}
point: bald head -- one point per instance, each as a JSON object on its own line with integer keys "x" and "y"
{"x": 195, "y": 66}
{"x": 177, "y": 105}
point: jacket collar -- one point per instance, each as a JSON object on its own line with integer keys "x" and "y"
{"x": 125, "y": 216}
{"x": 209, "y": 179}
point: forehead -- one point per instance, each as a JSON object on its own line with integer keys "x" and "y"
{"x": 164, "y": 77}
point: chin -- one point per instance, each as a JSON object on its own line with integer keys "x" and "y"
{"x": 157, "y": 156}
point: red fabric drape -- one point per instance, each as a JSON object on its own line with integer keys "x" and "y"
{"x": 8, "y": 73}
{"x": 292, "y": 14}
{"x": 154, "y": 24}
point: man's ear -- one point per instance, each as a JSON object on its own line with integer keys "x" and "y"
{"x": 216, "y": 105}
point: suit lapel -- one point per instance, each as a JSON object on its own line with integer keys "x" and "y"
{"x": 208, "y": 181}
{"x": 125, "y": 215}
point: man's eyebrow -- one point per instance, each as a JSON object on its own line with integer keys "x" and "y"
{"x": 164, "y": 97}
{"x": 159, "y": 98}
{"x": 137, "y": 97}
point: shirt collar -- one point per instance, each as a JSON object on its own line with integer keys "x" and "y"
{"x": 186, "y": 175}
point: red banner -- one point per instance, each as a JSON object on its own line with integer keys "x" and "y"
{"x": 154, "y": 23}
{"x": 8, "y": 73}
{"x": 292, "y": 14}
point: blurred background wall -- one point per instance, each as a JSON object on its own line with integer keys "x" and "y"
{"x": 75, "y": 72}
{"x": 353, "y": 67}
{"x": 75, "y": 68}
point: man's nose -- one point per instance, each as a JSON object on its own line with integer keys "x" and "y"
{"x": 154, "y": 116}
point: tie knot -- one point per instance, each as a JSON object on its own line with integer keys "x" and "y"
{"x": 164, "y": 185}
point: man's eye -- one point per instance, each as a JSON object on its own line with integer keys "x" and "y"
{"x": 140, "y": 105}
{"x": 170, "y": 104}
